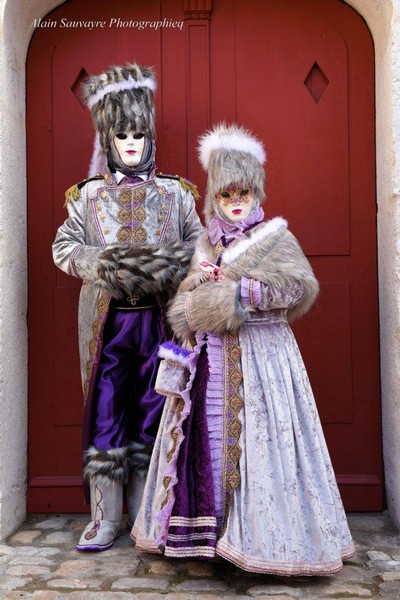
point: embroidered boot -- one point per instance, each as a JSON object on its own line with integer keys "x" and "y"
{"x": 106, "y": 509}
{"x": 106, "y": 470}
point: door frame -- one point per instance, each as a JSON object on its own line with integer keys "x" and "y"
{"x": 382, "y": 20}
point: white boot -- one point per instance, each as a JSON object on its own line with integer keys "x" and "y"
{"x": 106, "y": 508}
{"x": 134, "y": 494}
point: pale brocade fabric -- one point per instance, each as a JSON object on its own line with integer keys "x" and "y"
{"x": 287, "y": 515}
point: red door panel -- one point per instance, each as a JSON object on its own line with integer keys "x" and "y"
{"x": 300, "y": 73}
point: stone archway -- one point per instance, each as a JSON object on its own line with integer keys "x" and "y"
{"x": 383, "y": 21}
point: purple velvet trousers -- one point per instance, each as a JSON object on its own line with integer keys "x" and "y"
{"x": 125, "y": 406}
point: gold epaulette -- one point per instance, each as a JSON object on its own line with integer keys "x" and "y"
{"x": 188, "y": 186}
{"x": 74, "y": 192}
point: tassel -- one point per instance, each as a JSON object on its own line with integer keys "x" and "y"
{"x": 189, "y": 187}
{"x": 72, "y": 193}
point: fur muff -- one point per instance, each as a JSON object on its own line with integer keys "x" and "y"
{"x": 103, "y": 466}
{"x": 231, "y": 155}
{"x": 212, "y": 307}
{"x": 139, "y": 456}
{"x": 271, "y": 254}
{"x": 121, "y": 99}
{"x": 145, "y": 270}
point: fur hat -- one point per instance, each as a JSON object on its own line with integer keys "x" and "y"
{"x": 231, "y": 155}
{"x": 120, "y": 99}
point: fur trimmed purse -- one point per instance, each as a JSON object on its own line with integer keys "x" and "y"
{"x": 173, "y": 371}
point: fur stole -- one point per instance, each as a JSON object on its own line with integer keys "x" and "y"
{"x": 271, "y": 254}
{"x": 144, "y": 269}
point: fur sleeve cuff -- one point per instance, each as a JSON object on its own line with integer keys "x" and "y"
{"x": 215, "y": 307}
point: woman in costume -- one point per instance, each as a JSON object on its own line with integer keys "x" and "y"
{"x": 129, "y": 236}
{"x": 240, "y": 467}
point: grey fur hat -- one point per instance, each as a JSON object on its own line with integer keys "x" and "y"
{"x": 231, "y": 155}
{"x": 120, "y": 99}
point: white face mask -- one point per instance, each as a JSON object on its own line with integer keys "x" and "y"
{"x": 130, "y": 147}
{"x": 236, "y": 203}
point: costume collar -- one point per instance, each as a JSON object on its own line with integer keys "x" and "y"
{"x": 219, "y": 228}
{"x": 256, "y": 236}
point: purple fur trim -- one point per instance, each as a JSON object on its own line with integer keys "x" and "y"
{"x": 171, "y": 351}
{"x": 175, "y": 348}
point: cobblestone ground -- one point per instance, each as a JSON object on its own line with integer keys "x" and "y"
{"x": 39, "y": 561}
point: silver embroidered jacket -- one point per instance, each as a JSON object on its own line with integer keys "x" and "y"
{"x": 101, "y": 213}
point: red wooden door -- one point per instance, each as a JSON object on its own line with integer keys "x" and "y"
{"x": 299, "y": 73}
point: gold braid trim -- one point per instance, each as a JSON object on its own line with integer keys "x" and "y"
{"x": 232, "y": 425}
{"x": 190, "y": 187}
{"x": 72, "y": 193}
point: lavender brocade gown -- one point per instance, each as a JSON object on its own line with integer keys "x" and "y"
{"x": 285, "y": 515}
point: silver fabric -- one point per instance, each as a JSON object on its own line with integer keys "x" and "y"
{"x": 93, "y": 223}
{"x": 286, "y": 515}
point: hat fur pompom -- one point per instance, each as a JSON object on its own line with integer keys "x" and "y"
{"x": 229, "y": 137}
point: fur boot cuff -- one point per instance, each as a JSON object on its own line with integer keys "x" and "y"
{"x": 103, "y": 466}
{"x": 139, "y": 456}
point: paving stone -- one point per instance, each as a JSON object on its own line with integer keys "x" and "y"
{"x": 181, "y": 596}
{"x": 74, "y": 583}
{"x": 25, "y": 537}
{"x": 353, "y": 574}
{"x": 200, "y": 569}
{"x": 6, "y": 550}
{"x": 389, "y": 587}
{"x": 47, "y": 595}
{"x": 368, "y": 522}
{"x": 384, "y": 565}
{"x": 31, "y": 560}
{"x": 148, "y": 583}
{"x": 239, "y": 597}
{"x": 60, "y": 537}
{"x": 16, "y": 595}
{"x": 75, "y": 568}
{"x": 26, "y": 570}
{"x": 201, "y": 585}
{"x": 102, "y": 596}
{"x": 162, "y": 568}
{"x": 377, "y": 555}
{"x": 156, "y": 596}
{"x": 13, "y": 583}
{"x": 280, "y": 597}
{"x": 53, "y": 523}
{"x": 348, "y": 590}
{"x": 391, "y": 576}
{"x": 35, "y": 551}
{"x": 274, "y": 590}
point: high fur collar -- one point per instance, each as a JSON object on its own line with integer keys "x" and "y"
{"x": 257, "y": 235}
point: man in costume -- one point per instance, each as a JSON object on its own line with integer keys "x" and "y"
{"x": 240, "y": 467}
{"x": 129, "y": 237}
